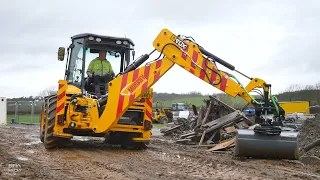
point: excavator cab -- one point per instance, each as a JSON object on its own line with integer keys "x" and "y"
{"x": 101, "y": 84}
{"x": 86, "y": 47}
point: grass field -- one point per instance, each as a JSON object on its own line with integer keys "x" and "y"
{"x": 158, "y": 126}
{"x": 36, "y": 117}
{"x": 198, "y": 101}
{"x": 24, "y": 118}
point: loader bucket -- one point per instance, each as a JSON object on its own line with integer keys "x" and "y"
{"x": 256, "y": 145}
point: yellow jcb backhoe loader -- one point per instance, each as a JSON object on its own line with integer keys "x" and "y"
{"x": 74, "y": 111}
{"x": 161, "y": 114}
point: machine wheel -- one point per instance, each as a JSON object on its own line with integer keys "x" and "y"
{"x": 42, "y": 120}
{"x": 163, "y": 119}
{"x": 134, "y": 145}
{"x": 50, "y": 141}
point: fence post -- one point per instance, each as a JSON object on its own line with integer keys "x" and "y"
{"x": 32, "y": 110}
{"x": 16, "y": 111}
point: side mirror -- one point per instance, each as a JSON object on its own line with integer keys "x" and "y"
{"x": 61, "y": 53}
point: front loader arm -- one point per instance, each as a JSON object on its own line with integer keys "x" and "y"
{"x": 126, "y": 88}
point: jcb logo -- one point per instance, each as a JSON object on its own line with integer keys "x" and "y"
{"x": 180, "y": 43}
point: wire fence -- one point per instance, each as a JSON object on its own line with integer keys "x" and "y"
{"x": 23, "y": 111}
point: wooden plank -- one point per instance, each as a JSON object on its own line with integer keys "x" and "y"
{"x": 189, "y": 137}
{"x": 194, "y": 108}
{"x": 228, "y": 143}
{"x": 222, "y": 103}
{"x": 222, "y": 123}
{"x": 221, "y": 119}
{"x": 253, "y": 126}
{"x": 241, "y": 125}
{"x": 209, "y": 141}
{"x": 246, "y": 119}
{"x": 230, "y": 129}
{"x": 188, "y": 134}
{"x": 167, "y": 131}
{"x": 204, "y": 145}
{"x": 245, "y": 106}
{"x": 310, "y": 146}
{"x": 207, "y": 113}
{"x": 201, "y": 140}
{"x": 200, "y": 115}
{"x": 183, "y": 140}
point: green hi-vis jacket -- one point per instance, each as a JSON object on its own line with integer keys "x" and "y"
{"x": 100, "y": 67}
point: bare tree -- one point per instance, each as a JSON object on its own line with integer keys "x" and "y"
{"x": 317, "y": 87}
{"x": 289, "y": 92}
{"x": 309, "y": 87}
{"x": 194, "y": 93}
{"x": 293, "y": 88}
{"x": 51, "y": 90}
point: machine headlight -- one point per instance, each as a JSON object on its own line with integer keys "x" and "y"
{"x": 91, "y": 38}
{"x": 125, "y": 42}
{"x": 98, "y": 39}
{"x": 118, "y": 42}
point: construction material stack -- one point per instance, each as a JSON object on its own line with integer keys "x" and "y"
{"x": 3, "y": 111}
{"x": 217, "y": 126}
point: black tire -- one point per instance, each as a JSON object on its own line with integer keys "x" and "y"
{"x": 134, "y": 146}
{"x": 41, "y": 137}
{"x": 42, "y": 122}
{"x": 162, "y": 120}
{"x": 50, "y": 141}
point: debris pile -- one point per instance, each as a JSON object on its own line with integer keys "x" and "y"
{"x": 213, "y": 125}
{"x": 309, "y": 132}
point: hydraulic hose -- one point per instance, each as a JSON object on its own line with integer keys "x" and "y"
{"x": 245, "y": 90}
{"x": 273, "y": 98}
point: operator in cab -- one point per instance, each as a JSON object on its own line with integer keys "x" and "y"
{"x": 100, "y": 71}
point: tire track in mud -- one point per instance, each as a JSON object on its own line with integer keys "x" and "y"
{"x": 83, "y": 159}
{"x": 202, "y": 168}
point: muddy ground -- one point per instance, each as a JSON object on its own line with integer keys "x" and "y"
{"x": 309, "y": 131}
{"x": 22, "y": 156}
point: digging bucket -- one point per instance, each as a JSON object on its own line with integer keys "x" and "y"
{"x": 256, "y": 145}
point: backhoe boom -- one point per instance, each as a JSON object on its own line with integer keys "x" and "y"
{"x": 131, "y": 84}
{"x": 196, "y": 60}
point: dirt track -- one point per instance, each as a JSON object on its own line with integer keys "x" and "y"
{"x": 22, "y": 155}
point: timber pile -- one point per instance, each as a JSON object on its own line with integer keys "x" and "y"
{"x": 213, "y": 125}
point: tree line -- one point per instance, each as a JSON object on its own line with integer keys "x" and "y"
{"x": 169, "y": 96}
{"x": 294, "y": 92}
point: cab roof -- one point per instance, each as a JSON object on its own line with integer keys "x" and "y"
{"x": 83, "y": 35}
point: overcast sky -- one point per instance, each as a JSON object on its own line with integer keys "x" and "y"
{"x": 277, "y": 41}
